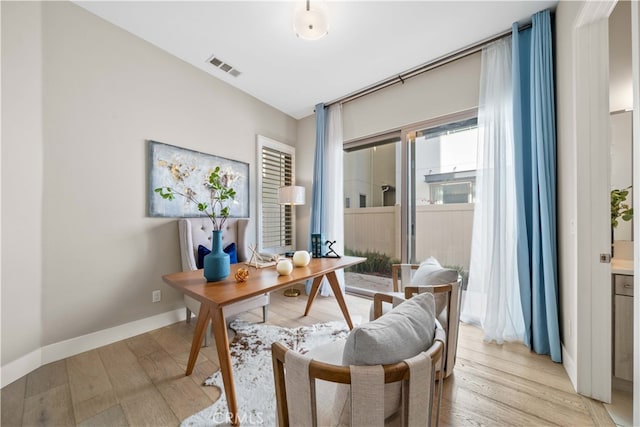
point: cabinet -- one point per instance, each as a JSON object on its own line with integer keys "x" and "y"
{"x": 623, "y": 327}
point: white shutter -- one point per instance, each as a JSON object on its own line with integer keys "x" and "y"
{"x": 276, "y": 224}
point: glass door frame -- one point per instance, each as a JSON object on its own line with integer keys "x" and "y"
{"x": 407, "y": 190}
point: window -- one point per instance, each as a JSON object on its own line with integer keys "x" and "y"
{"x": 276, "y": 222}
{"x": 446, "y": 162}
{"x": 408, "y": 188}
{"x": 370, "y": 171}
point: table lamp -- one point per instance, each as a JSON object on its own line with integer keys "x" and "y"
{"x": 291, "y": 195}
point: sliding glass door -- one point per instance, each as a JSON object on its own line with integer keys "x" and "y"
{"x": 441, "y": 191}
{"x": 409, "y": 195}
{"x": 371, "y": 177}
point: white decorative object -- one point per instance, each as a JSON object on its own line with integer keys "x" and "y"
{"x": 258, "y": 261}
{"x": 284, "y": 267}
{"x": 301, "y": 258}
{"x": 291, "y": 195}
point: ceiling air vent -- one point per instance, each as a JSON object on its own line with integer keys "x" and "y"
{"x": 218, "y": 63}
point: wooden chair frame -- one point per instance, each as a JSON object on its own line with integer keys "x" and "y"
{"x": 410, "y": 290}
{"x": 342, "y": 375}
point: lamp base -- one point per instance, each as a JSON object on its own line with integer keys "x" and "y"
{"x": 291, "y": 292}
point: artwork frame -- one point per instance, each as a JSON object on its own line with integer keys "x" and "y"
{"x": 185, "y": 170}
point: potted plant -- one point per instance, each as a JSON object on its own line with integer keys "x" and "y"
{"x": 221, "y": 192}
{"x": 619, "y": 209}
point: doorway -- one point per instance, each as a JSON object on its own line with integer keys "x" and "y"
{"x": 621, "y": 105}
{"x": 416, "y": 188}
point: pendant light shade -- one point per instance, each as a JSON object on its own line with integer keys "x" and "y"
{"x": 310, "y": 24}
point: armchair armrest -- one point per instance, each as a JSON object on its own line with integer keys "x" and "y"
{"x": 395, "y": 268}
{"x": 378, "y": 299}
{"x": 410, "y": 291}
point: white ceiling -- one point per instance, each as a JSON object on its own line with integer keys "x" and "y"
{"x": 368, "y": 41}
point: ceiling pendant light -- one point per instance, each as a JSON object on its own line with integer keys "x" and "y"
{"x": 310, "y": 24}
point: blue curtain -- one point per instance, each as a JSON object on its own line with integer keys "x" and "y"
{"x": 317, "y": 224}
{"x": 535, "y": 157}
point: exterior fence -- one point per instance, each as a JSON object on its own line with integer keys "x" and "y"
{"x": 442, "y": 231}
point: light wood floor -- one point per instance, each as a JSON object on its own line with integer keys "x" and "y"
{"x": 140, "y": 381}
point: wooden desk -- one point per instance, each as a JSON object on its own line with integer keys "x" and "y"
{"x": 214, "y": 296}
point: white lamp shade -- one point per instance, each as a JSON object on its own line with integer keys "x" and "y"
{"x": 291, "y": 195}
{"x": 310, "y": 24}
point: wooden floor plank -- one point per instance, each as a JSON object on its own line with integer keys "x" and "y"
{"x": 148, "y": 408}
{"x": 537, "y": 388}
{"x": 555, "y": 408}
{"x": 598, "y": 412}
{"x": 205, "y": 353}
{"x": 141, "y": 345}
{"x": 46, "y": 377}
{"x": 185, "y": 398}
{"x": 494, "y": 411}
{"x": 140, "y": 381}
{"x": 201, "y": 372}
{"x": 556, "y": 379}
{"x": 170, "y": 341}
{"x": 160, "y": 366}
{"x": 126, "y": 375}
{"x": 111, "y": 417}
{"x": 514, "y": 353}
{"x": 50, "y": 408}
{"x": 89, "y": 408}
{"x": 91, "y": 390}
{"x": 12, "y": 402}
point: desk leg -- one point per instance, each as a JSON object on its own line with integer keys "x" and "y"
{"x": 337, "y": 292}
{"x": 201, "y": 326}
{"x": 315, "y": 286}
{"x": 219, "y": 326}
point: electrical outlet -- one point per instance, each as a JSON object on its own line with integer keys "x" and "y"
{"x": 156, "y": 296}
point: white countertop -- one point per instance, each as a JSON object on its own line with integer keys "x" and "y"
{"x": 622, "y": 266}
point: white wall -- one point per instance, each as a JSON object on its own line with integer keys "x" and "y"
{"x": 448, "y": 89}
{"x": 305, "y": 153}
{"x": 565, "y": 17}
{"x": 81, "y": 169}
{"x": 22, "y": 179}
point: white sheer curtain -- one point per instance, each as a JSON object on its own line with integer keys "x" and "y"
{"x": 333, "y": 187}
{"x": 493, "y": 297}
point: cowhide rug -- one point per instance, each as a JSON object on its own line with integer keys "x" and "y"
{"x": 253, "y": 373}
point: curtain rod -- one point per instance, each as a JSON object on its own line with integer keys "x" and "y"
{"x": 438, "y": 62}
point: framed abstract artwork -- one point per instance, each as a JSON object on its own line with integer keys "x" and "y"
{"x": 186, "y": 171}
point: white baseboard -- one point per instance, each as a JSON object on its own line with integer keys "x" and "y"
{"x": 63, "y": 349}
{"x": 570, "y": 368}
{"x": 20, "y": 367}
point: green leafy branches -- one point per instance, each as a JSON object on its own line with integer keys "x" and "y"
{"x": 620, "y": 209}
{"x": 218, "y": 185}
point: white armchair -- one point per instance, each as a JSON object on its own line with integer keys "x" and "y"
{"x": 382, "y": 374}
{"x": 445, "y": 284}
{"x": 198, "y": 231}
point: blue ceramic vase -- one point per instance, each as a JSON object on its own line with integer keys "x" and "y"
{"x": 216, "y": 264}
